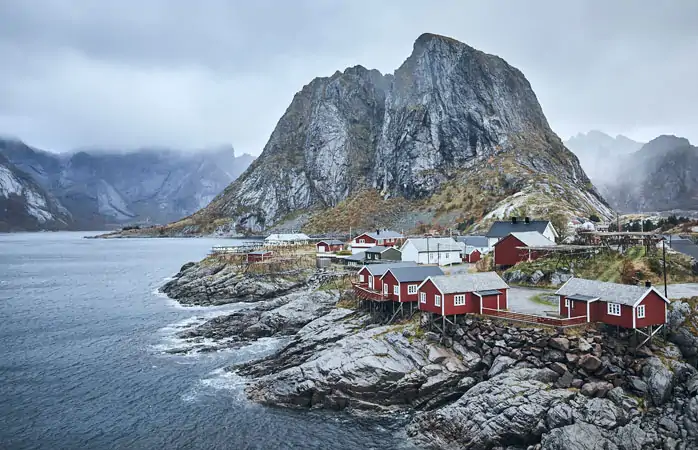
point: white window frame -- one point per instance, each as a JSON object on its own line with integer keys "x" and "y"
{"x": 361, "y": 278}
{"x": 423, "y": 297}
{"x": 641, "y": 312}
{"x": 362, "y": 241}
{"x": 412, "y": 289}
{"x": 614, "y": 309}
{"x": 567, "y": 302}
{"x": 385, "y": 289}
{"x": 396, "y": 289}
{"x": 459, "y": 300}
{"x": 437, "y": 300}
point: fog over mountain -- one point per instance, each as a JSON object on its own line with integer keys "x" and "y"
{"x": 600, "y": 154}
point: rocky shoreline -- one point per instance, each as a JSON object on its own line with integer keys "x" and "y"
{"x": 487, "y": 385}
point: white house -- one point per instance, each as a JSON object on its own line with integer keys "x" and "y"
{"x": 287, "y": 239}
{"x": 441, "y": 251}
{"x": 503, "y": 228}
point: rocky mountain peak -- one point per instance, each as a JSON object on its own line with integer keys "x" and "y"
{"x": 663, "y": 144}
{"x": 447, "y": 110}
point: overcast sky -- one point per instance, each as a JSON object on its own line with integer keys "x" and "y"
{"x": 123, "y": 74}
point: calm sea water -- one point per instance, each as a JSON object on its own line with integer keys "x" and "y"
{"x": 82, "y": 335}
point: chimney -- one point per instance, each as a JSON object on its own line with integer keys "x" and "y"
{"x": 378, "y": 231}
{"x": 513, "y": 220}
{"x": 648, "y": 284}
{"x": 527, "y": 220}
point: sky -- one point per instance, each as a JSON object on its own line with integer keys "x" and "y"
{"x": 183, "y": 74}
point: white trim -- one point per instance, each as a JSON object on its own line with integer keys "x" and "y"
{"x": 362, "y": 278}
{"x": 647, "y": 293}
{"x": 498, "y": 303}
{"x": 562, "y": 287}
{"x": 439, "y": 298}
{"x": 642, "y": 308}
{"x": 423, "y": 297}
{"x": 634, "y": 320}
{"x": 416, "y": 289}
{"x": 435, "y": 285}
{"x": 456, "y": 298}
{"x": 588, "y": 318}
{"x": 620, "y": 309}
{"x": 396, "y": 290}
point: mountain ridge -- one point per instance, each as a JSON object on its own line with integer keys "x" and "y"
{"x": 446, "y": 112}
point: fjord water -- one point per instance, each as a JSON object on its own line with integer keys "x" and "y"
{"x": 82, "y": 363}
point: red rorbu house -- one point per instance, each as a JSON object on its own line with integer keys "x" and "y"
{"x": 518, "y": 247}
{"x": 463, "y": 293}
{"x": 623, "y": 305}
{"x": 386, "y": 238}
{"x": 401, "y": 283}
{"x": 329, "y": 246}
{"x": 472, "y": 257}
{"x": 370, "y": 284}
{"x": 259, "y": 256}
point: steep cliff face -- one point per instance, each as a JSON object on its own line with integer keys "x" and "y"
{"x": 447, "y": 112}
{"x": 24, "y": 205}
{"x": 108, "y": 188}
{"x": 661, "y": 176}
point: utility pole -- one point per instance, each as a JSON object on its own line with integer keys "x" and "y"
{"x": 664, "y": 263}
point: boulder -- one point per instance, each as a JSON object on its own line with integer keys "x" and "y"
{"x": 589, "y": 362}
{"x": 578, "y": 436}
{"x": 559, "y": 343}
{"x": 596, "y": 388}
{"x": 536, "y": 276}
{"x": 499, "y": 365}
{"x": 659, "y": 380}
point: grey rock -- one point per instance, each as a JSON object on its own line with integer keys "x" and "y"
{"x": 596, "y": 388}
{"x": 537, "y": 276}
{"x": 603, "y": 413}
{"x": 565, "y": 380}
{"x": 584, "y": 346}
{"x": 589, "y": 362}
{"x": 499, "y": 365}
{"x": 553, "y": 356}
{"x": 511, "y": 407}
{"x": 638, "y": 385}
{"x": 578, "y": 436}
{"x": 659, "y": 380}
{"x": 559, "y": 343}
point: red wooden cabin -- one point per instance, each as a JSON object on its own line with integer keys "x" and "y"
{"x": 329, "y": 246}
{"x": 513, "y": 248}
{"x": 623, "y": 305}
{"x": 472, "y": 257}
{"x": 401, "y": 283}
{"x": 386, "y": 238}
{"x": 463, "y": 293}
{"x": 370, "y": 284}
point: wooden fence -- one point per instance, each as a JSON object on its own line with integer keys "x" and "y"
{"x": 531, "y": 318}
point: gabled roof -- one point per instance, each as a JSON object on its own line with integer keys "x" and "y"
{"x": 424, "y": 245}
{"x": 379, "y": 249}
{"x": 502, "y": 228}
{"x": 360, "y": 256}
{"x": 378, "y": 270}
{"x": 532, "y": 239}
{"x": 331, "y": 242}
{"x": 685, "y": 246}
{"x": 287, "y": 237}
{"x": 414, "y": 273}
{"x": 473, "y": 241}
{"x": 383, "y": 234}
{"x": 469, "y": 282}
{"x": 625, "y": 294}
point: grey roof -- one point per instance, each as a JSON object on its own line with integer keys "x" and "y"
{"x": 384, "y": 234}
{"x": 584, "y": 298}
{"x": 434, "y": 244}
{"x": 473, "y": 241}
{"x": 469, "y": 282}
{"x": 488, "y": 292}
{"x": 502, "y": 228}
{"x": 418, "y": 273}
{"x": 533, "y": 239}
{"x": 360, "y": 256}
{"x": 331, "y": 242}
{"x": 380, "y": 269}
{"x": 259, "y": 252}
{"x": 379, "y": 249}
{"x": 625, "y": 294}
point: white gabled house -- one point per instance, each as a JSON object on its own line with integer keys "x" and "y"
{"x": 441, "y": 251}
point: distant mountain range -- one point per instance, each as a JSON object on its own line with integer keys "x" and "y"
{"x": 96, "y": 189}
{"x": 660, "y": 175}
{"x": 454, "y": 137}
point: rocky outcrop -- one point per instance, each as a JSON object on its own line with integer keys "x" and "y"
{"x": 553, "y": 277}
{"x": 101, "y": 187}
{"x": 449, "y": 114}
{"x": 216, "y": 283}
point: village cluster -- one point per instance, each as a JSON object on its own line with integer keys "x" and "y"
{"x": 408, "y": 273}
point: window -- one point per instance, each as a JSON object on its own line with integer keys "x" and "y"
{"x": 370, "y": 281}
{"x": 423, "y": 297}
{"x": 412, "y": 289}
{"x": 385, "y": 289}
{"x": 614, "y": 309}
{"x": 567, "y": 303}
{"x": 641, "y": 312}
{"x": 437, "y": 300}
{"x": 361, "y": 278}
{"x": 362, "y": 241}
{"x": 396, "y": 290}
{"x": 459, "y": 300}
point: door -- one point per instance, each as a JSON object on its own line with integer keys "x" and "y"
{"x": 370, "y": 281}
